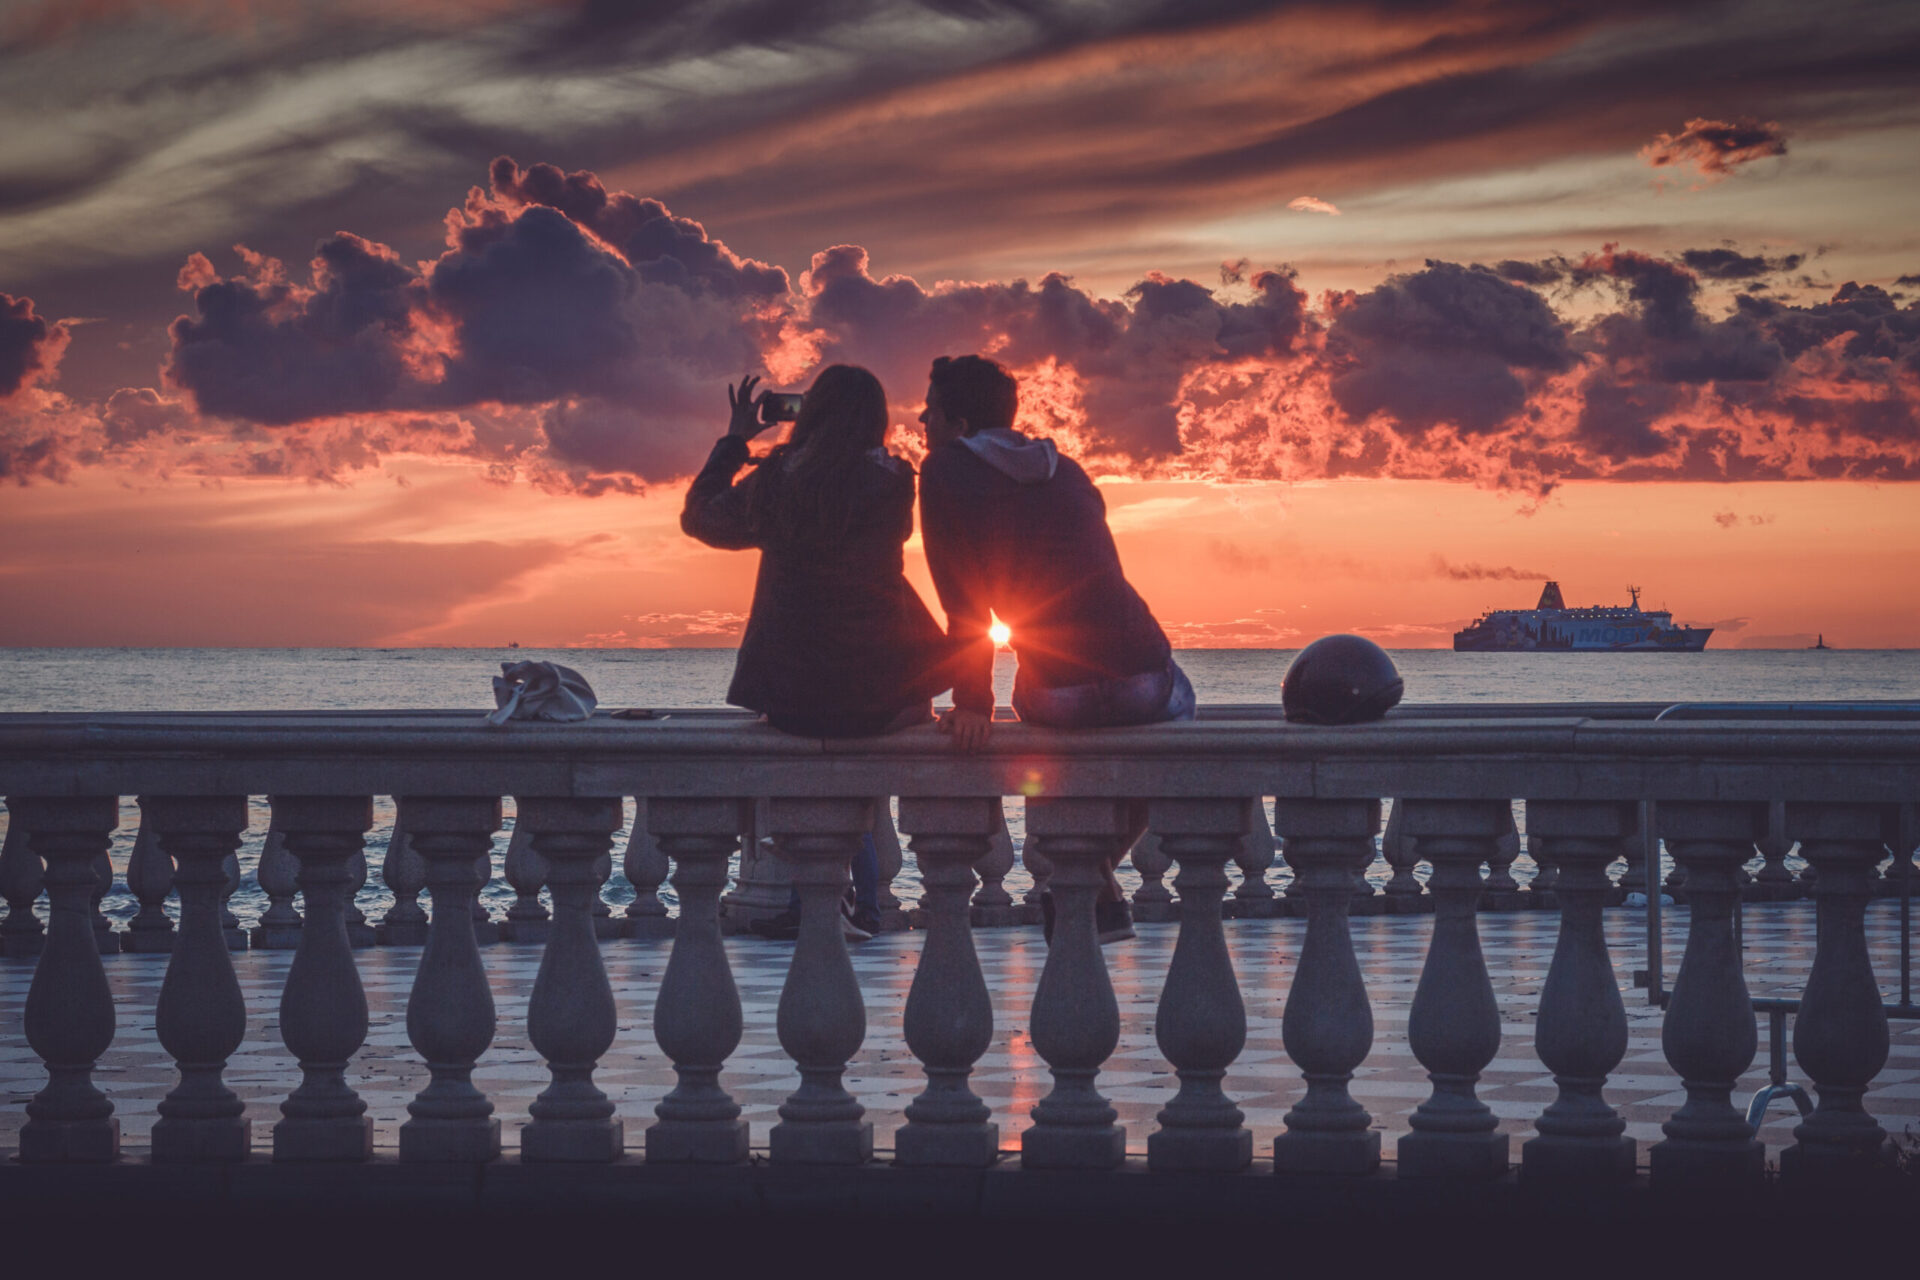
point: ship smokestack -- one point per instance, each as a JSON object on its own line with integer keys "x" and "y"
{"x": 1550, "y": 597}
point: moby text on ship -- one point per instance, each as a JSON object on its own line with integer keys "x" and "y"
{"x": 1551, "y": 627}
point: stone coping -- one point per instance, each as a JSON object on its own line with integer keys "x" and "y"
{"x": 1617, "y": 753}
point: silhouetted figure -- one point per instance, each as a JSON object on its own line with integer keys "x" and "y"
{"x": 838, "y": 644}
{"x": 1017, "y": 531}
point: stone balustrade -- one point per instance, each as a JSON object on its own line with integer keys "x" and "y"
{"x": 706, "y": 780}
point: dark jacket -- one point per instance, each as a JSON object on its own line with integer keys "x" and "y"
{"x": 838, "y": 642}
{"x": 1013, "y": 528}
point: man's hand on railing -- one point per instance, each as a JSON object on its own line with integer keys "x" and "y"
{"x": 970, "y": 729}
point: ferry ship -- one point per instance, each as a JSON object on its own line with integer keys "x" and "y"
{"x": 1552, "y": 627}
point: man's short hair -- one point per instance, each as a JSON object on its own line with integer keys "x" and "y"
{"x": 976, "y": 389}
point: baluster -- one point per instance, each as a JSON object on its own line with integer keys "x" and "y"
{"x": 1328, "y": 1023}
{"x": 696, "y": 1016}
{"x": 1201, "y": 1023}
{"x": 150, "y": 879}
{"x": 948, "y": 1020}
{"x": 645, "y": 867}
{"x": 359, "y": 932}
{"x": 1152, "y": 901}
{"x": 1501, "y": 892}
{"x": 1253, "y": 898}
{"x": 1288, "y": 904}
{"x": 1545, "y": 873}
{"x": 485, "y": 927}
{"x": 886, "y": 843}
{"x": 278, "y": 874}
{"x": 570, "y": 1014}
{"x": 1840, "y": 1035}
{"x": 1581, "y": 1033}
{"x": 1809, "y": 876}
{"x": 103, "y": 935}
{"x": 450, "y": 1017}
{"x": 323, "y": 1008}
{"x": 1404, "y": 893}
{"x": 1541, "y": 889}
{"x": 69, "y": 1011}
{"x": 526, "y": 871}
{"x": 992, "y": 904}
{"x": 1365, "y": 901}
{"x": 1076, "y": 1020}
{"x": 1676, "y": 883}
{"x": 822, "y": 1019}
{"x": 1453, "y": 1027}
{"x": 1035, "y": 860}
{"x": 604, "y": 925}
{"x": 1708, "y": 1035}
{"x": 201, "y": 1016}
{"x": 1773, "y": 882}
{"x": 230, "y": 930}
{"x": 21, "y": 934}
{"x": 404, "y": 872}
{"x": 764, "y": 882}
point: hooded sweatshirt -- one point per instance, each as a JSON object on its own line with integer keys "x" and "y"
{"x": 1015, "y": 530}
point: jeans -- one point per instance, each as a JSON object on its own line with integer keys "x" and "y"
{"x": 1152, "y": 697}
{"x": 1149, "y": 698}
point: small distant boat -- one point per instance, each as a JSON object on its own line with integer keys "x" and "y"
{"x": 513, "y": 644}
{"x": 1820, "y": 643}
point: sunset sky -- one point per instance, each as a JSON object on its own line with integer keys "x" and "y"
{"x": 398, "y": 322}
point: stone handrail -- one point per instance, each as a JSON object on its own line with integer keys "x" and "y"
{"x": 1583, "y": 776}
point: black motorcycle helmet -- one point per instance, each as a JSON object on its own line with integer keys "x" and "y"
{"x": 1340, "y": 680}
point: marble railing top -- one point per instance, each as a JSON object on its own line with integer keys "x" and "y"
{"x": 1558, "y": 751}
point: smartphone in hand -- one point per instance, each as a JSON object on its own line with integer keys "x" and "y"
{"x": 780, "y": 406}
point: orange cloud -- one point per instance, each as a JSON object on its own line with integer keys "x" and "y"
{"x": 576, "y": 337}
{"x": 1716, "y": 148}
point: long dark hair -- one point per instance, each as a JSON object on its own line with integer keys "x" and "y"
{"x": 802, "y": 487}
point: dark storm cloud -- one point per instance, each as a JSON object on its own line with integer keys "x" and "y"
{"x": 1873, "y": 324}
{"x": 35, "y": 443}
{"x": 1535, "y": 273}
{"x": 525, "y": 308}
{"x": 1730, "y": 264}
{"x": 1663, "y": 333}
{"x": 1616, "y": 418}
{"x": 1448, "y": 344}
{"x": 133, "y": 414}
{"x": 662, "y": 248}
{"x": 30, "y": 344}
{"x": 578, "y": 337}
{"x": 1131, "y": 355}
{"x": 265, "y": 351}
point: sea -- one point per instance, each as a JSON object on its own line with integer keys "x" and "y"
{"x": 108, "y": 680}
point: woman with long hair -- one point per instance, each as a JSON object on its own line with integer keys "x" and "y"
{"x": 838, "y": 643}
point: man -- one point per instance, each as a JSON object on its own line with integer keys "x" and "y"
{"x": 1015, "y": 531}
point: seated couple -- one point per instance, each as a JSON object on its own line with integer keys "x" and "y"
{"x": 838, "y": 643}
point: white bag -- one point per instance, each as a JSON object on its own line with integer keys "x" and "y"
{"x": 540, "y": 691}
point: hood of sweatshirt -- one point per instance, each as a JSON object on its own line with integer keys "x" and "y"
{"x": 1020, "y": 457}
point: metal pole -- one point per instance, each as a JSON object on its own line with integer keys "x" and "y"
{"x": 1650, "y": 843}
